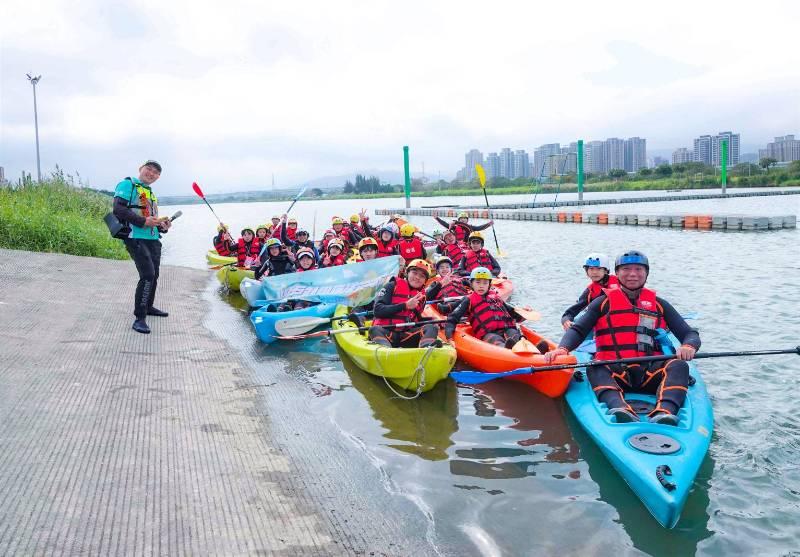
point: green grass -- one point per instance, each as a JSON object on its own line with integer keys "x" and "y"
{"x": 57, "y": 217}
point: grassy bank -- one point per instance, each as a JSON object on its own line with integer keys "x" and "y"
{"x": 57, "y": 217}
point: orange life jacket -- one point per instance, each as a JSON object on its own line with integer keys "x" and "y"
{"x": 487, "y": 313}
{"x": 628, "y": 331}
{"x": 402, "y": 293}
{"x": 480, "y": 258}
{"x": 596, "y": 288}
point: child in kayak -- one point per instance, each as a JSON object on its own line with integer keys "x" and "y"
{"x": 367, "y": 249}
{"x": 247, "y": 249}
{"x": 306, "y": 259}
{"x": 402, "y": 301}
{"x": 491, "y": 319}
{"x": 461, "y": 227}
{"x": 387, "y": 244}
{"x": 447, "y": 285}
{"x": 477, "y": 256}
{"x": 223, "y": 242}
{"x": 598, "y": 268}
{"x": 451, "y": 248}
{"x": 335, "y": 255}
{"x": 410, "y": 247}
{"x": 276, "y": 260}
{"x": 262, "y": 232}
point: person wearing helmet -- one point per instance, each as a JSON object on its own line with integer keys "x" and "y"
{"x": 477, "y": 256}
{"x": 490, "y": 318}
{"x": 276, "y": 260}
{"x": 367, "y": 249}
{"x": 262, "y": 231}
{"x": 306, "y": 259}
{"x": 598, "y": 268}
{"x": 387, "y": 243}
{"x": 461, "y": 226}
{"x": 336, "y": 254}
{"x": 446, "y": 285}
{"x": 287, "y": 229}
{"x": 410, "y": 247}
{"x": 327, "y": 236}
{"x": 247, "y": 249}
{"x": 276, "y": 220}
{"x": 300, "y": 240}
{"x": 402, "y": 300}
{"x": 629, "y": 321}
{"x": 359, "y": 227}
{"x": 451, "y": 248}
{"x": 223, "y": 242}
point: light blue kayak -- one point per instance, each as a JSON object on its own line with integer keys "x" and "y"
{"x": 658, "y": 462}
{"x": 264, "y": 321}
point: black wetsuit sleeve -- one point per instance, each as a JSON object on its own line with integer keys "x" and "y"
{"x": 678, "y": 325}
{"x": 433, "y": 290}
{"x": 455, "y": 316}
{"x": 262, "y": 269}
{"x": 479, "y": 227}
{"x": 284, "y": 238}
{"x": 442, "y": 222}
{"x": 572, "y": 311}
{"x": 368, "y": 230}
{"x": 424, "y": 253}
{"x": 460, "y": 268}
{"x": 495, "y": 265}
{"x": 584, "y": 324}
{"x": 513, "y": 313}
{"x": 383, "y": 303}
{"x": 126, "y": 214}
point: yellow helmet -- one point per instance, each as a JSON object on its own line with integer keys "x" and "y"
{"x": 355, "y": 218}
{"x": 337, "y": 220}
{"x": 422, "y": 265}
{"x": 475, "y": 236}
{"x": 221, "y": 227}
{"x": 367, "y": 242}
{"x": 480, "y": 273}
{"x": 407, "y": 230}
{"x": 264, "y": 226}
{"x": 463, "y": 215}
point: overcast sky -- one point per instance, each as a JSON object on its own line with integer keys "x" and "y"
{"x": 228, "y": 93}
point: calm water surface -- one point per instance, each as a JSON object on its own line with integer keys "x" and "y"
{"x": 498, "y": 469}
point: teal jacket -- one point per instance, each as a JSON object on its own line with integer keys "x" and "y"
{"x": 139, "y": 197}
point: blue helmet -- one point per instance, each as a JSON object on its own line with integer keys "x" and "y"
{"x": 597, "y": 260}
{"x": 632, "y": 257}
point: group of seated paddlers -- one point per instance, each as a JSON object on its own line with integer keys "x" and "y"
{"x": 625, "y": 318}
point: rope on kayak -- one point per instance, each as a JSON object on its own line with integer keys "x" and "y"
{"x": 419, "y": 373}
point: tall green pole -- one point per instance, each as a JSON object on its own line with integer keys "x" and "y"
{"x": 724, "y": 171}
{"x": 408, "y": 176}
{"x": 580, "y": 170}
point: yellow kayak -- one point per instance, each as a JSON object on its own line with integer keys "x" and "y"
{"x": 408, "y": 368}
{"x": 231, "y": 277}
{"x": 214, "y": 258}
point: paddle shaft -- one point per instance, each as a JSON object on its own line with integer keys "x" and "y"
{"x": 302, "y": 191}
{"x": 664, "y": 357}
{"x": 486, "y": 197}
{"x": 427, "y": 302}
{"x": 199, "y": 192}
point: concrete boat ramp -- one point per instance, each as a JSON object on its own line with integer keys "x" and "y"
{"x": 119, "y": 443}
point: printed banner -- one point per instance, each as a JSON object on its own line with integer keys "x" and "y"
{"x": 354, "y": 284}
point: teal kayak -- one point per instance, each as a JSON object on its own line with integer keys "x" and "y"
{"x": 264, "y": 320}
{"x": 658, "y": 462}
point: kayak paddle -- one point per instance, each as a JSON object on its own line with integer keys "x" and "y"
{"x": 296, "y": 197}
{"x": 477, "y": 377}
{"x": 482, "y": 179}
{"x": 331, "y": 332}
{"x": 199, "y": 192}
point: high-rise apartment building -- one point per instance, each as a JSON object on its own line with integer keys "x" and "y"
{"x": 733, "y": 148}
{"x": 785, "y": 148}
{"x": 682, "y": 155}
{"x": 635, "y": 154}
{"x": 594, "y": 157}
{"x": 521, "y": 164}
{"x": 614, "y": 152}
{"x": 472, "y": 158}
{"x": 702, "y": 149}
{"x": 542, "y": 159}
{"x": 492, "y": 166}
{"x": 506, "y": 163}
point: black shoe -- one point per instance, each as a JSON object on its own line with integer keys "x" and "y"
{"x": 157, "y": 312}
{"x": 664, "y": 418}
{"x": 140, "y": 326}
{"x": 543, "y": 347}
{"x": 623, "y": 415}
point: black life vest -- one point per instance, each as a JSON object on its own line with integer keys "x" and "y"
{"x": 596, "y": 288}
{"x": 386, "y": 249}
{"x": 480, "y": 258}
{"x": 402, "y": 293}
{"x": 244, "y": 250}
{"x": 487, "y": 313}
{"x": 453, "y": 251}
{"x": 628, "y": 331}
{"x": 411, "y": 249}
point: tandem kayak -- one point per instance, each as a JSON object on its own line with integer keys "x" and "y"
{"x": 231, "y": 277}
{"x": 213, "y": 258}
{"x": 408, "y": 368}
{"x": 251, "y": 290}
{"x": 658, "y": 462}
{"x": 265, "y": 319}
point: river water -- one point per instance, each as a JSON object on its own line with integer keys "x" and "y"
{"x": 498, "y": 469}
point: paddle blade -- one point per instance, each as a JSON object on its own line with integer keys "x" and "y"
{"x": 300, "y": 193}
{"x": 301, "y": 337}
{"x": 481, "y": 175}
{"x": 529, "y": 315}
{"x": 298, "y": 325}
{"x": 478, "y": 377}
{"x": 524, "y": 347}
{"x": 197, "y": 190}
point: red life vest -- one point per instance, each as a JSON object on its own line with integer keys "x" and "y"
{"x": 242, "y": 251}
{"x": 291, "y": 233}
{"x": 455, "y": 288}
{"x": 487, "y": 314}
{"x": 299, "y": 269}
{"x": 358, "y": 229}
{"x": 222, "y": 246}
{"x": 596, "y": 288}
{"x": 454, "y": 252}
{"x": 628, "y": 331}
{"x": 402, "y": 293}
{"x": 387, "y": 249}
{"x": 411, "y": 249}
{"x": 480, "y": 258}
{"x": 461, "y": 230}
{"x": 340, "y": 259}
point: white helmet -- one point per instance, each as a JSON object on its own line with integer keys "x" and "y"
{"x": 598, "y": 260}
{"x": 393, "y": 227}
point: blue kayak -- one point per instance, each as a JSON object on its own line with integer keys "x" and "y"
{"x": 264, "y": 319}
{"x": 658, "y": 462}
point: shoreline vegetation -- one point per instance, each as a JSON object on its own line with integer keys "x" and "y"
{"x": 57, "y": 216}
{"x": 689, "y": 176}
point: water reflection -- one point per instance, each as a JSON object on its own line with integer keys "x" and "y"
{"x": 424, "y": 425}
{"x": 645, "y": 532}
{"x": 510, "y": 408}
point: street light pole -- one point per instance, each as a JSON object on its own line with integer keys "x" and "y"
{"x": 34, "y": 81}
